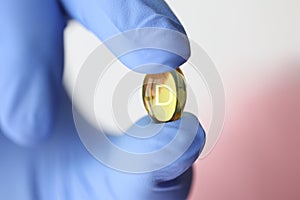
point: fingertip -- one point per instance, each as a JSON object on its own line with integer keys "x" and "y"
{"x": 193, "y": 119}
{"x": 188, "y": 123}
{"x": 150, "y": 50}
{"x": 152, "y": 61}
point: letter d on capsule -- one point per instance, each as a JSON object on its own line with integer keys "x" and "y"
{"x": 164, "y": 95}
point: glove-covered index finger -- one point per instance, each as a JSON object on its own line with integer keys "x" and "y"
{"x": 109, "y": 18}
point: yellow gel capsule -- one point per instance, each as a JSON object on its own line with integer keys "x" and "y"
{"x": 164, "y": 95}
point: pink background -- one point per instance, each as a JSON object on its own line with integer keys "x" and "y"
{"x": 257, "y": 156}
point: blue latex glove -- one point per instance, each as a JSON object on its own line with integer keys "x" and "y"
{"x": 34, "y": 106}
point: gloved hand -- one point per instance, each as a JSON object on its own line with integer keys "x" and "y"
{"x": 34, "y": 106}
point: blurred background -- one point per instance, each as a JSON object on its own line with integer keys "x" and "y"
{"x": 255, "y": 45}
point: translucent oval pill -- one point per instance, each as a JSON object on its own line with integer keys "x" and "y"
{"x": 164, "y": 95}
